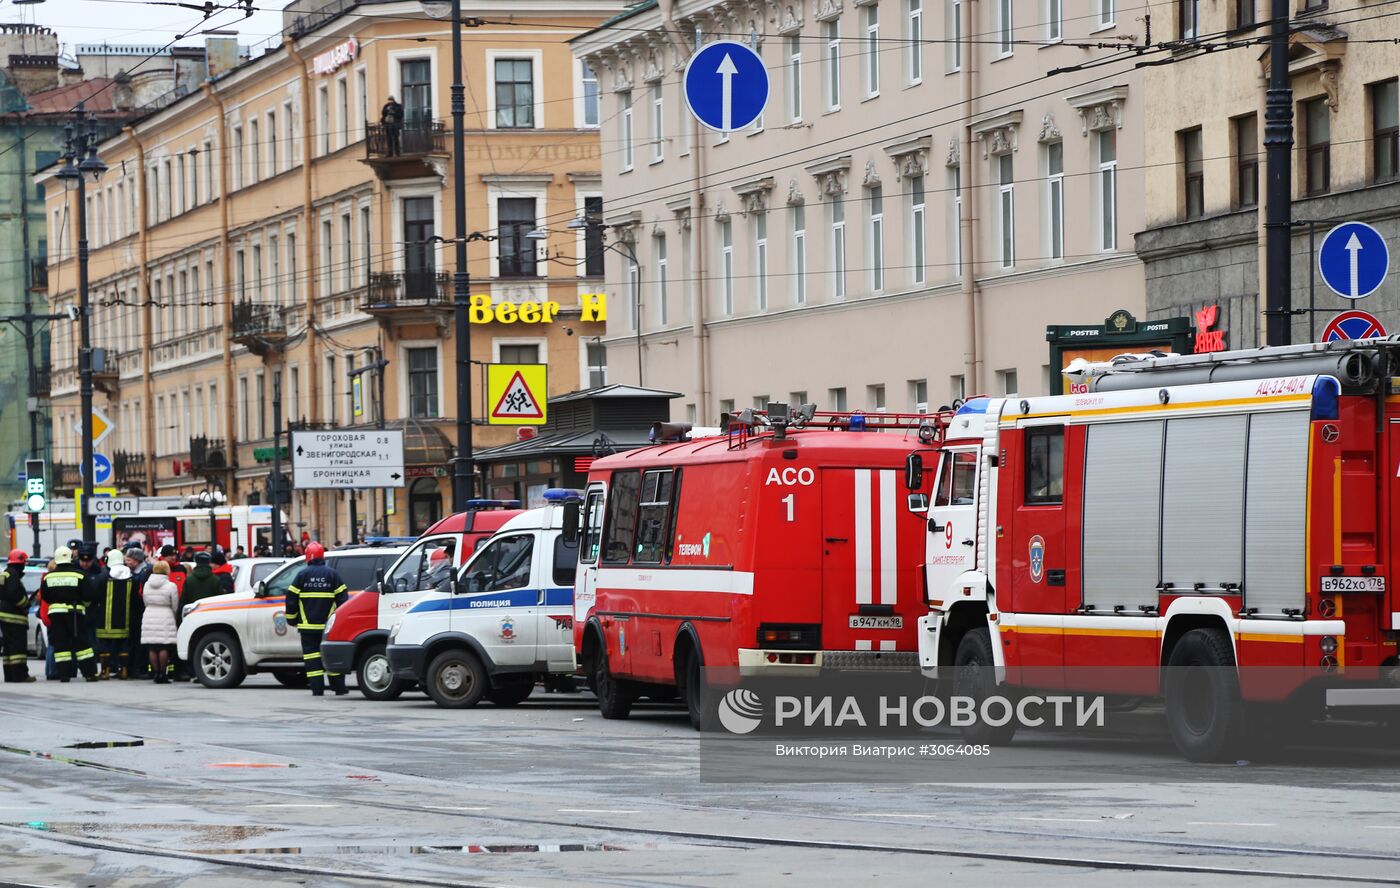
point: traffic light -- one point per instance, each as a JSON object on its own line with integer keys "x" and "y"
{"x": 36, "y": 488}
{"x": 279, "y": 490}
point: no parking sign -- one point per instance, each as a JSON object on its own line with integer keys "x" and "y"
{"x": 1353, "y": 325}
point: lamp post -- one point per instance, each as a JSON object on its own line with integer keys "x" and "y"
{"x": 82, "y": 165}
{"x": 463, "y": 470}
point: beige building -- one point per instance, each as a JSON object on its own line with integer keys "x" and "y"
{"x": 1203, "y": 245}
{"x": 910, "y": 213}
{"x": 268, "y": 235}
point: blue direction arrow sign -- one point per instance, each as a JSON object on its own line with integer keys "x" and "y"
{"x": 726, "y": 85}
{"x": 1353, "y": 260}
{"x": 102, "y": 469}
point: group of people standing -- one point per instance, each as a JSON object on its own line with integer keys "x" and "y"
{"x": 116, "y": 617}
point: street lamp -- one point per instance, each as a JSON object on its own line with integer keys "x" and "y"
{"x": 462, "y": 473}
{"x": 81, "y": 167}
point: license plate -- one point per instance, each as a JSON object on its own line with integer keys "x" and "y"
{"x": 859, "y": 622}
{"x": 1353, "y": 584}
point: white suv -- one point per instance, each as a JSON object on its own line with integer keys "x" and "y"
{"x": 225, "y": 637}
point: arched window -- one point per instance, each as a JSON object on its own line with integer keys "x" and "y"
{"x": 424, "y": 505}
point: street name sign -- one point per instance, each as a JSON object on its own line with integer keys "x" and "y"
{"x": 340, "y": 459}
{"x": 726, "y": 85}
{"x": 1353, "y": 260}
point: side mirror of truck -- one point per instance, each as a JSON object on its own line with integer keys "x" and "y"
{"x": 918, "y": 503}
{"x": 379, "y": 577}
{"x": 913, "y": 471}
{"x": 572, "y": 511}
{"x": 260, "y": 591}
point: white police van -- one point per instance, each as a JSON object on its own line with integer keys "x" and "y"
{"x": 506, "y": 620}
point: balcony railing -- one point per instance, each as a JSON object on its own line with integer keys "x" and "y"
{"x": 409, "y": 289}
{"x": 208, "y": 454}
{"x": 129, "y": 468}
{"x": 39, "y": 275}
{"x": 66, "y": 476}
{"x": 413, "y": 140}
{"x": 251, "y": 319}
{"x": 43, "y": 382}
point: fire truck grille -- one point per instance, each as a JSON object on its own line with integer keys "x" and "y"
{"x": 871, "y": 661}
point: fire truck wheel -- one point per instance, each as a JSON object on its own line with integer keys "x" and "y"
{"x": 1204, "y": 711}
{"x": 974, "y": 675}
{"x": 614, "y": 696}
{"x": 456, "y": 679}
{"x": 697, "y": 692}
{"x": 217, "y": 660}
{"x": 512, "y": 690}
{"x": 375, "y": 678}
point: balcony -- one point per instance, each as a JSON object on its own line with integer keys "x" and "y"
{"x": 39, "y": 275}
{"x": 407, "y": 295}
{"x": 129, "y": 470}
{"x": 65, "y": 476}
{"x": 258, "y": 328}
{"x": 421, "y": 150}
{"x": 208, "y": 455}
{"x": 42, "y": 383}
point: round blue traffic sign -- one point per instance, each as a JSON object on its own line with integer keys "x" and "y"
{"x": 726, "y": 85}
{"x": 1353, "y": 325}
{"x": 1353, "y": 260}
{"x": 101, "y": 469}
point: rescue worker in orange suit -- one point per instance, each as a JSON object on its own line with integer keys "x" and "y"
{"x": 14, "y": 619}
{"x": 316, "y": 591}
{"x": 111, "y": 615}
{"x": 65, "y": 588}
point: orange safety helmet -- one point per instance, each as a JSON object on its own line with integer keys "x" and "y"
{"x": 315, "y": 551}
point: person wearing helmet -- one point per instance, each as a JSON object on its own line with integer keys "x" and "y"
{"x": 65, "y": 590}
{"x": 316, "y": 591}
{"x": 111, "y": 615}
{"x": 14, "y": 619}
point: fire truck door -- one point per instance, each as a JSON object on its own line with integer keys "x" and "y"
{"x": 860, "y": 607}
{"x": 952, "y": 520}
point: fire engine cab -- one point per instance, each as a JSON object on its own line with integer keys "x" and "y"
{"x": 782, "y": 546}
{"x": 1213, "y": 529}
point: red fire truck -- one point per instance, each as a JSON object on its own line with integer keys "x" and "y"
{"x": 1212, "y": 529}
{"x": 781, "y": 547}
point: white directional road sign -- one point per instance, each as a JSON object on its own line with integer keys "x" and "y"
{"x": 115, "y": 505}
{"x": 346, "y": 458}
{"x": 1353, "y": 260}
{"x": 726, "y": 85}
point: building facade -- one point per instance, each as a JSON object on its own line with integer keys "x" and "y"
{"x": 1203, "y": 245}
{"x": 917, "y": 204}
{"x": 258, "y": 245}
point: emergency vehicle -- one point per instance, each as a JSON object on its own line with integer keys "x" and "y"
{"x": 233, "y": 526}
{"x": 506, "y": 620}
{"x": 1216, "y": 530}
{"x": 225, "y": 637}
{"x": 782, "y": 547}
{"x": 354, "y": 640}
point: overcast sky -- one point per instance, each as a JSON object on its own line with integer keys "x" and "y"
{"x": 130, "y": 21}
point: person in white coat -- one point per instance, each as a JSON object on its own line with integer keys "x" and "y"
{"x": 158, "y": 622}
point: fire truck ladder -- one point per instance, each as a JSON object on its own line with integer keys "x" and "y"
{"x": 1359, "y": 363}
{"x": 779, "y": 419}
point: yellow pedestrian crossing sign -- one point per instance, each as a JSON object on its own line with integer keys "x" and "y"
{"x": 516, "y": 393}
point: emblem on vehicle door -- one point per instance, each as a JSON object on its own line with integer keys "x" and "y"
{"x": 279, "y": 624}
{"x": 507, "y": 632}
{"x": 1037, "y": 558}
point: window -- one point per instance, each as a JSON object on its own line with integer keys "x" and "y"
{"x": 593, "y": 237}
{"x": 1106, "y": 12}
{"x": 957, "y": 388}
{"x": 1045, "y": 465}
{"x": 291, "y": 268}
{"x": 831, "y": 64}
{"x": 1054, "y": 19}
{"x": 1007, "y": 382}
{"x": 654, "y": 524}
{"x": 726, "y": 240}
{"x": 327, "y": 257}
{"x": 426, "y": 565}
{"x": 634, "y": 292}
{"x": 797, "y": 399}
{"x": 955, "y": 223}
{"x": 1055, "y": 198}
{"x": 760, "y": 260}
{"x": 290, "y": 149}
{"x": 503, "y": 564}
{"x": 876, "y": 203}
{"x": 596, "y": 354}
{"x": 260, "y": 386}
{"x": 1244, "y": 13}
{"x": 620, "y": 528}
{"x": 957, "y": 485}
{"x": 240, "y": 281}
{"x": 953, "y": 28}
{"x": 917, "y": 258}
{"x": 342, "y": 104}
{"x": 515, "y": 218}
{"x": 658, "y": 124}
{"x": 347, "y": 251}
{"x": 422, "y": 383}
{"x": 838, "y": 247}
{"x": 366, "y": 239}
{"x": 1246, "y": 160}
{"x": 323, "y": 110}
{"x": 362, "y": 88}
{"x": 1004, "y": 26}
{"x": 1006, "y": 211}
{"x": 872, "y": 51}
{"x": 1193, "y": 170}
{"x": 592, "y": 535}
{"x": 590, "y": 94}
{"x": 330, "y": 404}
{"x": 836, "y": 397}
{"x": 274, "y": 255}
{"x": 237, "y": 160}
{"x": 257, "y": 274}
{"x": 1108, "y": 189}
{"x": 1188, "y": 19}
{"x": 254, "y": 147}
{"x": 659, "y": 250}
{"x": 918, "y": 395}
{"x": 875, "y": 398}
{"x": 1318, "y": 124}
{"x": 515, "y": 93}
{"x": 527, "y": 353}
{"x": 726, "y": 406}
{"x": 799, "y": 253}
{"x": 794, "y": 79}
{"x": 625, "y": 101}
{"x": 1385, "y": 108}
{"x": 416, "y": 84}
{"x": 272, "y": 165}
{"x": 914, "y": 53}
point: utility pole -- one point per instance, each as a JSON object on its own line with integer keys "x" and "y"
{"x": 28, "y": 274}
{"x": 276, "y": 486}
{"x": 1278, "y": 147}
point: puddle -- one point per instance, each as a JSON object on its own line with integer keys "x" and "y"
{"x": 205, "y": 832}
{"x": 250, "y": 765}
{"x": 105, "y": 744}
{"x": 407, "y": 850}
{"x": 34, "y": 753}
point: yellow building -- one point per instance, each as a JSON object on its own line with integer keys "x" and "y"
{"x": 271, "y": 234}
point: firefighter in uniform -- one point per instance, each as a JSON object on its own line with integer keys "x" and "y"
{"x": 65, "y": 589}
{"x": 14, "y": 619}
{"x": 313, "y": 596}
{"x": 111, "y": 615}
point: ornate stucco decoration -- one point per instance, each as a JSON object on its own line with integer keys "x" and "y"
{"x": 1100, "y": 109}
{"x": 831, "y": 174}
{"x": 753, "y": 195}
{"x": 999, "y": 134}
{"x": 910, "y": 156}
